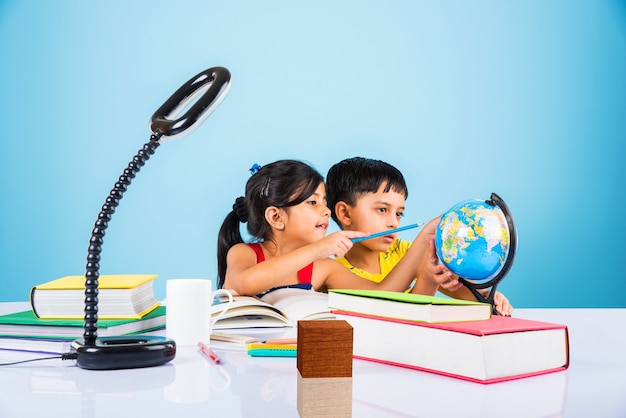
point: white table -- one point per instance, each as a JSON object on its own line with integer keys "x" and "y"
{"x": 593, "y": 386}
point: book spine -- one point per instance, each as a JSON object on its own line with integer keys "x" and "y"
{"x": 32, "y": 301}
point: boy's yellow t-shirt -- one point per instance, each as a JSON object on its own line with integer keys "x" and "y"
{"x": 388, "y": 260}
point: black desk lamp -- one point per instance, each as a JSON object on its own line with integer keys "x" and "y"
{"x": 131, "y": 352}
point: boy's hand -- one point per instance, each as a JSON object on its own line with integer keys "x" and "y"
{"x": 429, "y": 230}
{"x": 501, "y": 303}
{"x": 432, "y": 270}
{"x": 452, "y": 284}
{"x": 439, "y": 273}
{"x": 432, "y": 275}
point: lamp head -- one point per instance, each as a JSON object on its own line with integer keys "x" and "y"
{"x": 215, "y": 82}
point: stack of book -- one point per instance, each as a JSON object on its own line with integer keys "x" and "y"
{"x": 448, "y": 336}
{"x": 126, "y": 305}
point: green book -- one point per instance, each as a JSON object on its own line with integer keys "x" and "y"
{"x": 407, "y": 306}
{"x": 26, "y": 325}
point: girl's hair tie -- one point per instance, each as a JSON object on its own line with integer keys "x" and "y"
{"x": 254, "y": 169}
{"x": 239, "y": 207}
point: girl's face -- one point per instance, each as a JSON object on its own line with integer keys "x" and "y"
{"x": 377, "y": 212}
{"x": 308, "y": 221}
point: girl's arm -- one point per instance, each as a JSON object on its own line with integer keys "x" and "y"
{"x": 247, "y": 277}
{"x": 329, "y": 274}
{"x": 241, "y": 266}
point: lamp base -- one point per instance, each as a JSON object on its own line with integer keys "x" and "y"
{"x": 109, "y": 353}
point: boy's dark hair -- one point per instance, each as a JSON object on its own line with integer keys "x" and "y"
{"x": 351, "y": 178}
{"x": 283, "y": 183}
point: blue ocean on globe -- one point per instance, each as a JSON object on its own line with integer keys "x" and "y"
{"x": 473, "y": 239}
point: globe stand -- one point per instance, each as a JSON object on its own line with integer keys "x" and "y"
{"x": 475, "y": 288}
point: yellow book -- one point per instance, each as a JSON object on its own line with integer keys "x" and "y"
{"x": 120, "y": 296}
{"x": 272, "y": 346}
{"x": 109, "y": 281}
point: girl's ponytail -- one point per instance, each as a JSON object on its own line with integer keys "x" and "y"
{"x": 229, "y": 235}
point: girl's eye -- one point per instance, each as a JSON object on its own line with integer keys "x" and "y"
{"x": 313, "y": 202}
{"x": 382, "y": 210}
{"x": 399, "y": 214}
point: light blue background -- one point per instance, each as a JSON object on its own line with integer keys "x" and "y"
{"x": 523, "y": 98}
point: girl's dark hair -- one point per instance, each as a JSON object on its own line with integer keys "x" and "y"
{"x": 349, "y": 179}
{"x": 282, "y": 184}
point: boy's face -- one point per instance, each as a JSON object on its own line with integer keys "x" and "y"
{"x": 376, "y": 212}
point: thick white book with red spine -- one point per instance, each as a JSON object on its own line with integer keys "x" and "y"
{"x": 487, "y": 351}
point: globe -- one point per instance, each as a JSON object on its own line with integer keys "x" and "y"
{"x": 475, "y": 239}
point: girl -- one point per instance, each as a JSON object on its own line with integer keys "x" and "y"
{"x": 286, "y": 212}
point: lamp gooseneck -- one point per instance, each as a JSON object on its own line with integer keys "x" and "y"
{"x": 97, "y": 235}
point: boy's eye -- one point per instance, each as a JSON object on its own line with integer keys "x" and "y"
{"x": 382, "y": 210}
{"x": 399, "y": 214}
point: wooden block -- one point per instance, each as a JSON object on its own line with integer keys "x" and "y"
{"x": 324, "y": 348}
{"x": 323, "y": 397}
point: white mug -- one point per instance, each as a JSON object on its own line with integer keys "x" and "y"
{"x": 188, "y": 310}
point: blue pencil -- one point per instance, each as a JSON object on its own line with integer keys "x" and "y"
{"x": 391, "y": 231}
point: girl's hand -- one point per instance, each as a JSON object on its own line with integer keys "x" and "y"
{"x": 336, "y": 244}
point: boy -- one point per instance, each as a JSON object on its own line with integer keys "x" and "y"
{"x": 368, "y": 195}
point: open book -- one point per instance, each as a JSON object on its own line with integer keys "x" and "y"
{"x": 280, "y": 308}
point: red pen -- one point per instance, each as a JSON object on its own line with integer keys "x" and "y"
{"x": 206, "y": 350}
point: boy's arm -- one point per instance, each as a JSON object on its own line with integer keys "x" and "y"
{"x": 431, "y": 276}
{"x": 461, "y": 293}
{"x": 329, "y": 274}
{"x": 418, "y": 261}
{"x": 501, "y": 303}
